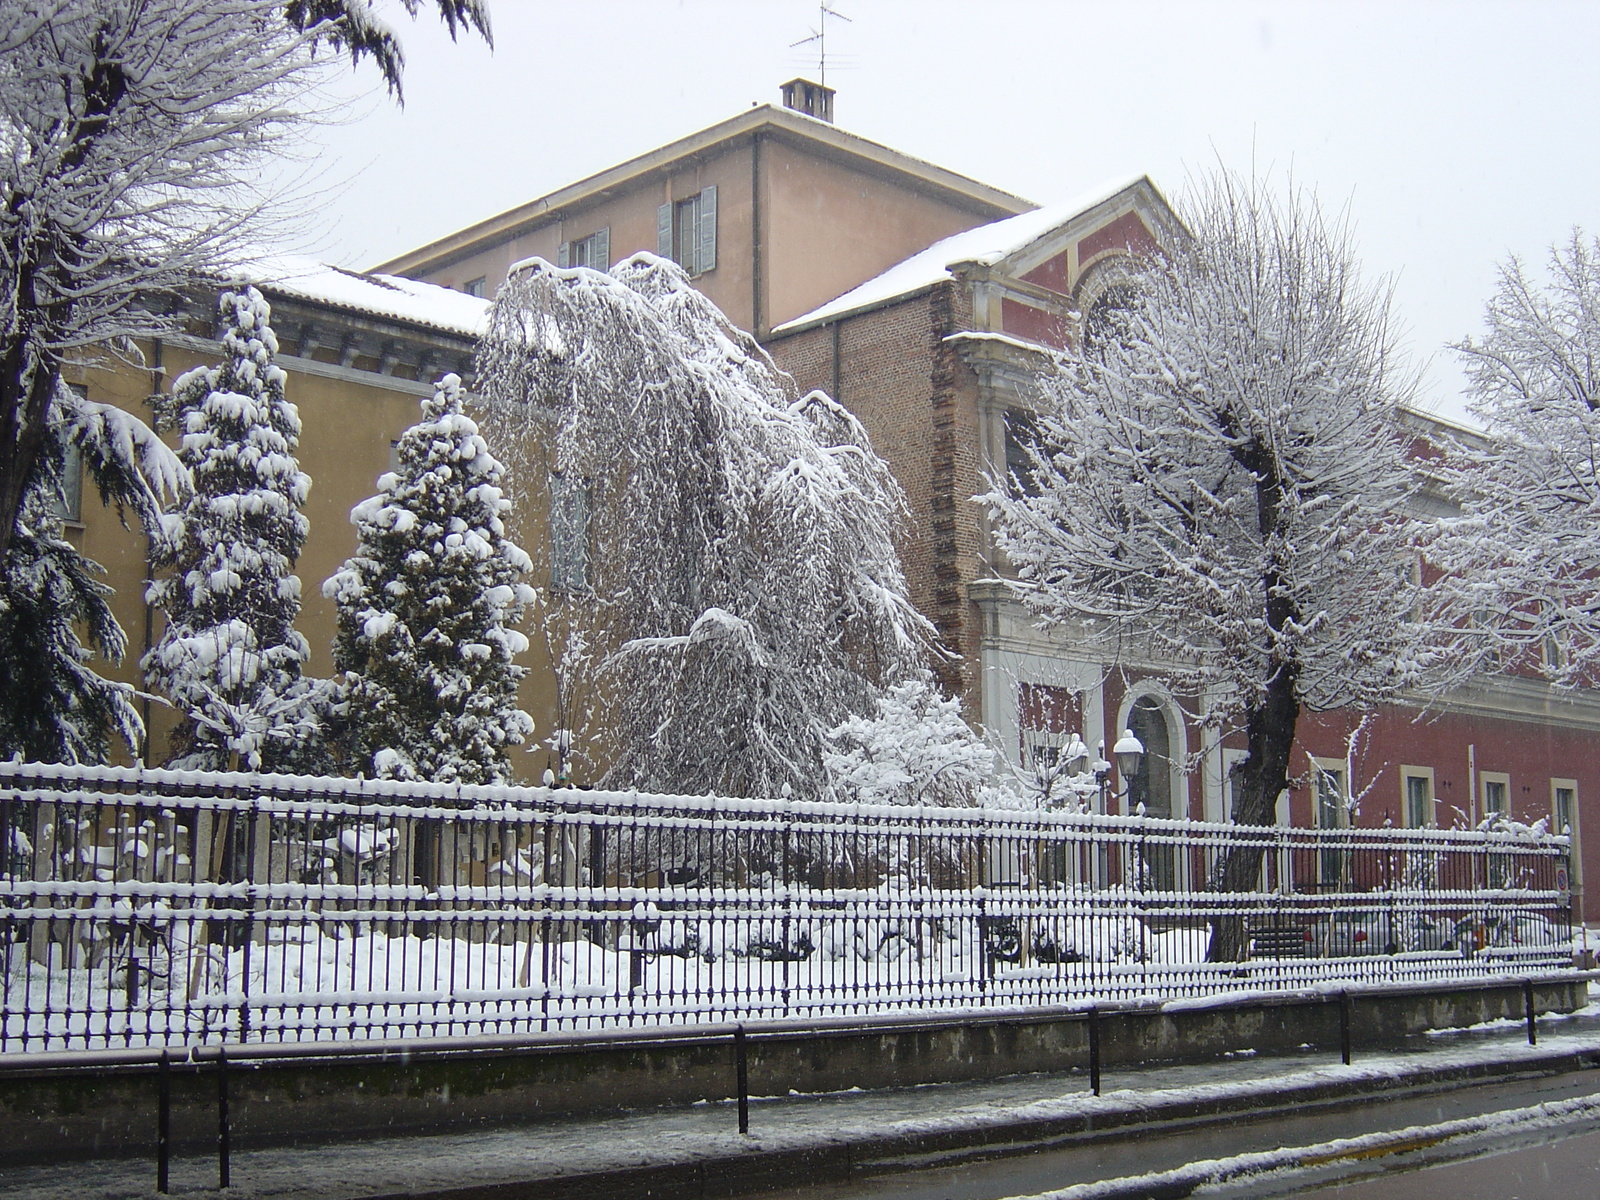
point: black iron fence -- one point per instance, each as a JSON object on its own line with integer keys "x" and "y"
{"x": 144, "y": 908}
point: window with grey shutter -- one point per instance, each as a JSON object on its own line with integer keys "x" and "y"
{"x": 69, "y": 503}
{"x": 69, "y": 500}
{"x": 664, "y": 231}
{"x": 705, "y": 242}
{"x": 569, "y": 533}
{"x": 593, "y": 251}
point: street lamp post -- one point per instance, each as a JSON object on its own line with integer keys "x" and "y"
{"x": 1128, "y": 750}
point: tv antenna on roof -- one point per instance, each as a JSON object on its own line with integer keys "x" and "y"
{"x": 819, "y": 35}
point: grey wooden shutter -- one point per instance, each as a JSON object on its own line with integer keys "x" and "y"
{"x": 664, "y": 231}
{"x": 564, "y": 255}
{"x": 600, "y": 260}
{"x": 705, "y": 249}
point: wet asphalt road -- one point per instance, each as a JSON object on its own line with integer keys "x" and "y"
{"x": 1572, "y": 1164}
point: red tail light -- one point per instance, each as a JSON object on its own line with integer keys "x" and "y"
{"x": 1361, "y": 935}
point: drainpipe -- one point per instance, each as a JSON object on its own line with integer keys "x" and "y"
{"x": 157, "y": 377}
{"x": 838, "y": 383}
{"x": 757, "y": 274}
{"x": 1472, "y": 785}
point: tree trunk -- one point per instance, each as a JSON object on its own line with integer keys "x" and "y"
{"x": 1264, "y": 774}
{"x": 1270, "y": 722}
{"x": 24, "y": 404}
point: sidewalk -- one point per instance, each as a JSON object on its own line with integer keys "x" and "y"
{"x": 697, "y": 1151}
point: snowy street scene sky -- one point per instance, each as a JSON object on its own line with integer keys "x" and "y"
{"x": 1456, "y": 133}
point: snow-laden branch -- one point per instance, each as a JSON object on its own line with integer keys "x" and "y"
{"x": 1524, "y": 557}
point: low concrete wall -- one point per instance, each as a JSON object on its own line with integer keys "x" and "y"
{"x": 106, "y": 1103}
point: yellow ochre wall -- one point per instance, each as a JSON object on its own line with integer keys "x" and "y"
{"x": 347, "y": 427}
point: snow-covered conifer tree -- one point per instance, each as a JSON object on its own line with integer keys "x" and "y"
{"x": 1222, "y": 489}
{"x": 426, "y": 606}
{"x": 741, "y": 584}
{"x": 230, "y": 657}
{"x": 53, "y": 706}
{"x": 1525, "y": 555}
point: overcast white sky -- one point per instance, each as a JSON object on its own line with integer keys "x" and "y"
{"x": 1457, "y": 133}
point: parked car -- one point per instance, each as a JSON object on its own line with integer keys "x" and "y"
{"x": 1362, "y": 932}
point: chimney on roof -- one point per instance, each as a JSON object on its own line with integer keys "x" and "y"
{"x": 813, "y": 99}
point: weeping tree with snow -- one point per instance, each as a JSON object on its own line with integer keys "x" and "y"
{"x": 1525, "y": 554}
{"x": 427, "y": 609}
{"x": 1223, "y": 487}
{"x": 741, "y": 588}
{"x": 229, "y": 657}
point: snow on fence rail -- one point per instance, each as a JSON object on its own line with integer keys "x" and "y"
{"x": 161, "y": 908}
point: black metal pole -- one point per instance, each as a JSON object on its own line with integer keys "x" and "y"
{"x": 1094, "y": 1049}
{"x": 1527, "y": 1010}
{"x": 224, "y": 1172}
{"x": 741, "y": 1070}
{"x": 163, "y": 1122}
{"x": 1344, "y": 1027}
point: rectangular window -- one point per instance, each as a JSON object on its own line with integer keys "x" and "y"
{"x": 1565, "y": 818}
{"x": 686, "y": 232}
{"x": 1496, "y": 797}
{"x": 476, "y": 287}
{"x": 1416, "y": 785}
{"x": 1332, "y": 812}
{"x": 1563, "y": 806}
{"x": 1022, "y": 433}
{"x": 69, "y": 503}
{"x": 569, "y": 534}
{"x": 1232, "y": 762}
{"x": 593, "y": 252}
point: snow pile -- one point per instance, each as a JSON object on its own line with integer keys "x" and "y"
{"x": 366, "y": 292}
{"x": 427, "y": 610}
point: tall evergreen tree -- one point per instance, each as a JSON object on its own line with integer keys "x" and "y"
{"x": 230, "y": 657}
{"x": 430, "y": 690}
{"x": 53, "y": 706}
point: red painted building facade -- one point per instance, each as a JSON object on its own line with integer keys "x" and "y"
{"x": 937, "y": 357}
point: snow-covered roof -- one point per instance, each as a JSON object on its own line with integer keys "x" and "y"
{"x": 986, "y": 245}
{"x": 391, "y": 296}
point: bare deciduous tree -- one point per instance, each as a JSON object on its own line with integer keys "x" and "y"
{"x": 1526, "y": 551}
{"x": 1223, "y": 488}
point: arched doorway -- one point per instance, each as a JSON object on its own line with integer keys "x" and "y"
{"x": 1151, "y": 785}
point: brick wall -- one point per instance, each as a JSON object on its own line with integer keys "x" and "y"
{"x": 918, "y": 401}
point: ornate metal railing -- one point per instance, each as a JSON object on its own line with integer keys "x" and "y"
{"x": 143, "y": 908}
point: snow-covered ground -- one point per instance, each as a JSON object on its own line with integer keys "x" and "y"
{"x": 324, "y": 981}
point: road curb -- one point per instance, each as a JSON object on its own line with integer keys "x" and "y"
{"x": 852, "y": 1155}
